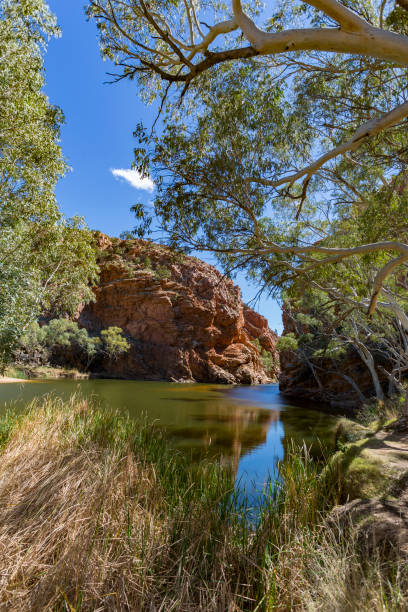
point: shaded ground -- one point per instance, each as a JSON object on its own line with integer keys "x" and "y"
{"x": 375, "y": 472}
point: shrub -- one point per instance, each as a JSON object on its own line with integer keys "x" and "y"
{"x": 268, "y": 361}
{"x": 127, "y": 266}
{"x": 267, "y": 358}
{"x": 32, "y": 344}
{"x": 127, "y": 236}
{"x": 257, "y": 344}
{"x": 162, "y": 272}
{"x": 63, "y": 333}
{"x": 177, "y": 257}
{"x": 113, "y": 342}
{"x": 60, "y": 332}
{"x": 39, "y": 344}
{"x": 287, "y": 343}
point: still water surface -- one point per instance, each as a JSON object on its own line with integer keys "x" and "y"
{"x": 248, "y": 427}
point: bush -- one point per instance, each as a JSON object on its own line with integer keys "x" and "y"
{"x": 162, "y": 272}
{"x": 257, "y": 344}
{"x": 62, "y": 340}
{"x": 114, "y": 343}
{"x": 63, "y": 333}
{"x": 32, "y": 345}
{"x": 127, "y": 266}
{"x": 267, "y": 358}
{"x": 287, "y": 343}
{"x": 268, "y": 361}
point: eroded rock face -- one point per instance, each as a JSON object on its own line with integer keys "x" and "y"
{"x": 184, "y": 321}
{"x": 256, "y": 326}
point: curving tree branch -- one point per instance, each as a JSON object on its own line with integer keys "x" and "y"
{"x": 153, "y": 42}
{"x": 167, "y": 39}
{"x": 364, "y": 132}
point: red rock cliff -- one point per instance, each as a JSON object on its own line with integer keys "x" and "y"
{"x": 184, "y": 321}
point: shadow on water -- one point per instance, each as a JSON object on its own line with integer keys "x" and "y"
{"x": 246, "y": 428}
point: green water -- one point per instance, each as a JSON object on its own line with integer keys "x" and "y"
{"x": 248, "y": 427}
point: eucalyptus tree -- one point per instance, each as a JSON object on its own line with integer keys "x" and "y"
{"x": 45, "y": 261}
{"x": 331, "y": 119}
{"x": 207, "y": 198}
{"x": 328, "y": 331}
{"x": 214, "y": 193}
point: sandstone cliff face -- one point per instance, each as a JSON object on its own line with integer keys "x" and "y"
{"x": 256, "y": 327}
{"x": 184, "y": 321}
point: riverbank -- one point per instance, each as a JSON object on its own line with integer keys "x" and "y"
{"x": 22, "y": 374}
{"x": 96, "y": 511}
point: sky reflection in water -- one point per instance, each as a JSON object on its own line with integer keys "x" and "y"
{"x": 245, "y": 427}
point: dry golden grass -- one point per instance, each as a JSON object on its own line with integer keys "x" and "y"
{"x": 62, "y": 517}
{"x": 97, "y": 514}
{"x": 86, "y": 525}
{"x": 326, "y": 571}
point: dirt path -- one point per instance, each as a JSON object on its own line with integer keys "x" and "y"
{"x": 390, "y": 446}
{"x": 380, "y": 462}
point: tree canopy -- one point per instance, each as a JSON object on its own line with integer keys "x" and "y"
{"x": 166, "y": 40}
{"x": 46, "y": 262}
{"x": 284, "y": 149}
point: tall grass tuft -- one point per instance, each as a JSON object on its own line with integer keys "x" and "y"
{"x": 97, "y": 513}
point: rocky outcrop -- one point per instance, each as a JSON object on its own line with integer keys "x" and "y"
{"x": 183, "y": 319}
{"x": 330, "y": 381}
{"x": 256, "y": 327}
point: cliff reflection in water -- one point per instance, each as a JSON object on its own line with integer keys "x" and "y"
{"x": 299, "y": 425}
{"x": 225, "y": 430}
{"x": 247, "y": 428}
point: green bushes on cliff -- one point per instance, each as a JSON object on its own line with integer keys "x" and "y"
{"x": 268, "y": 360}
{"x": 287, "y": 342}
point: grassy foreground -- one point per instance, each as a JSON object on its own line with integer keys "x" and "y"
{"x": 97, "y": 513}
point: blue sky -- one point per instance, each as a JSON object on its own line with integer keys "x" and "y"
{"x": 97, "y": 137}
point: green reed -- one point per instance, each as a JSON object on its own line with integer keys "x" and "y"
{"x": 97, "y": 511}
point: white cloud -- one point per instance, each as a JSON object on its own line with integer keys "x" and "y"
{"x": 134, "y": 178}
